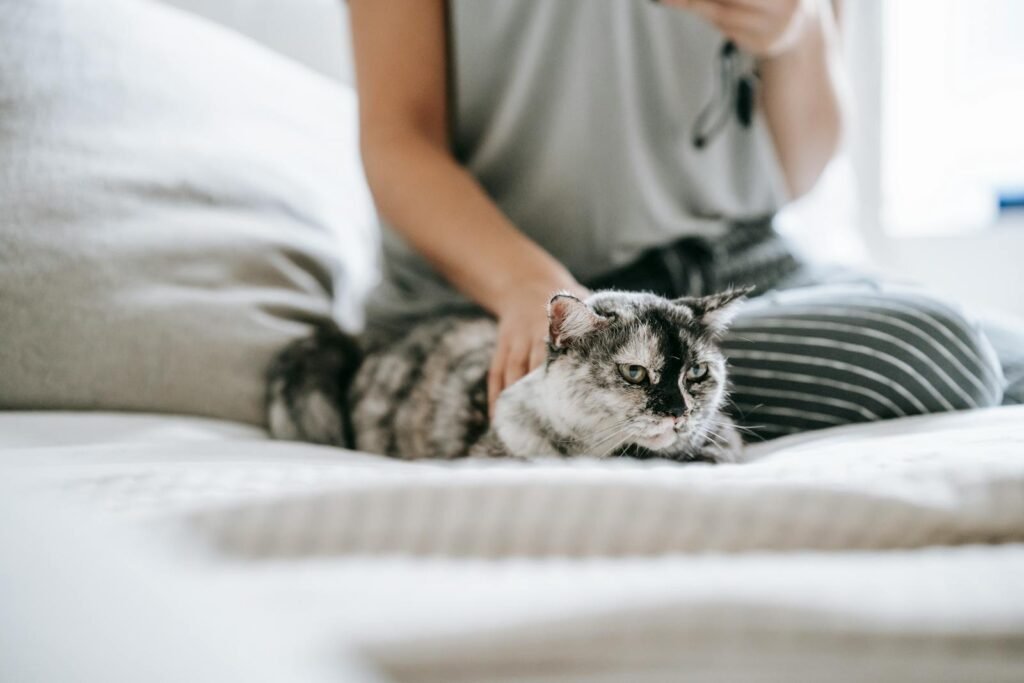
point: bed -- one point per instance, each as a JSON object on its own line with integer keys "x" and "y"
{"x": 878, "y": 552}
{"x": 159, "y": 547}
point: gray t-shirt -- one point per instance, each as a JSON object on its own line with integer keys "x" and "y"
{"x": 577, "y": 116}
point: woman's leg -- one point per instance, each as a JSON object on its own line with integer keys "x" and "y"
{"x": 821, "y": 356}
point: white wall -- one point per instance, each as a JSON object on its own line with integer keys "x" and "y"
{"x": 314, "y": 32}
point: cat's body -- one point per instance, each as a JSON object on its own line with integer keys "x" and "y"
{"x": 626, "y": 374}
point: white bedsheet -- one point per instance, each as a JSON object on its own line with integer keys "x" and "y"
{"x": 880, "y": 552}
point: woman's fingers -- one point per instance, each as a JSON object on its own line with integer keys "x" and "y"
{"x": 512, "y": 361}
{"x": 729, "y": 18}
{"x": 538, "y": 352}
{"x": 713, "y": 11}
{"x": 496, "y": 375}
{"x": 517, "y": 362}
{"x": 761, "y": 27}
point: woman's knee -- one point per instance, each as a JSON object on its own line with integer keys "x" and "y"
{"x": 915, "y": 353}
{"x": 954, "y": 355}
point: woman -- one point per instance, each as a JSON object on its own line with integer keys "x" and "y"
{"x": 520, "y": 147}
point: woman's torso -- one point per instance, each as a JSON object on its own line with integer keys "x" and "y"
{"x": 577, "y": 116}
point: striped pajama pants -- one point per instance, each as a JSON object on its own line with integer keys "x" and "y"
{"x": 809, "y": 351}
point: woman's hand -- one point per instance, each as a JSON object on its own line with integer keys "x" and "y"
{"x": 803, "y": 89}
{"x": 522, "y": 334}
{"x": 763, "y": 28}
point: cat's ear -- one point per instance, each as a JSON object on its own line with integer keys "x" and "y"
{"x": 569, "y": 320}
{"x": 715, "y": 311}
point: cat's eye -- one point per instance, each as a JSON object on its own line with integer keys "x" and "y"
{"x": 697, "y": 371}
{"x": 634, "y": 374}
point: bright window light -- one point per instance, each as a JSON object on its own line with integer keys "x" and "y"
{"x": 953, "y": 114}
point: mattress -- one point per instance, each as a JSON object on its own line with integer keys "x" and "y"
{"x": 890, "y": 551}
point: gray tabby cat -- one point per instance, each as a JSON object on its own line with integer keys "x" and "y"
{"x": 627, "y": 374}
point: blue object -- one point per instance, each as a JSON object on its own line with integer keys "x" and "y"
{"x": 1011, "y": 199}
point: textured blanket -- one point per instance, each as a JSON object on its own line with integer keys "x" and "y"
{"x": 879, "y": 552}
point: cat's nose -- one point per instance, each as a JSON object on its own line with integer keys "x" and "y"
{"x": 677, "y": 412}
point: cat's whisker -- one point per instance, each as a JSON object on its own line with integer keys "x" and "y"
{"x": 600, "y": 434}
{"x": 717, "y": 439}
{"x": 626, "y": 437}
{"x": 597, "y": 446}
{"x": 607, "y": 452}
{"x": 609, "y": 431}
{"x": 613, "y": 426}
{"x": 724, "y": 423}
{"x": 748, "y": 432}
{"x": 631, "y": 431}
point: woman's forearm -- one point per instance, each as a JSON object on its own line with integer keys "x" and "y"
{"x": 804, "y": 98}
{"x": 440, "y": 209}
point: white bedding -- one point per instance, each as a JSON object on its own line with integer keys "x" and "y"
{"x": 880, "y": 552}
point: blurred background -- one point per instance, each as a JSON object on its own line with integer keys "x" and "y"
{"x": 931, "y": 187}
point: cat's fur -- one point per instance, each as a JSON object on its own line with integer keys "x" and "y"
{"x": 424, "y": 396}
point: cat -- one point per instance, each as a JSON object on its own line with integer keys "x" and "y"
{"x": 627, "y": 374}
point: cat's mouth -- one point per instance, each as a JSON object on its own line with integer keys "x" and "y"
{"x": 661, "y": 434}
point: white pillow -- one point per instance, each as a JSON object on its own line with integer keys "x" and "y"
{"x": 171, "y": 201}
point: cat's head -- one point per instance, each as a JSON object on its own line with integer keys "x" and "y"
{"x": 644, "y": 374}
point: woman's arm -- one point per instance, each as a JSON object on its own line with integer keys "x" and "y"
{"x": 803, "y": 90}
{"x": 435, "y": 204}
